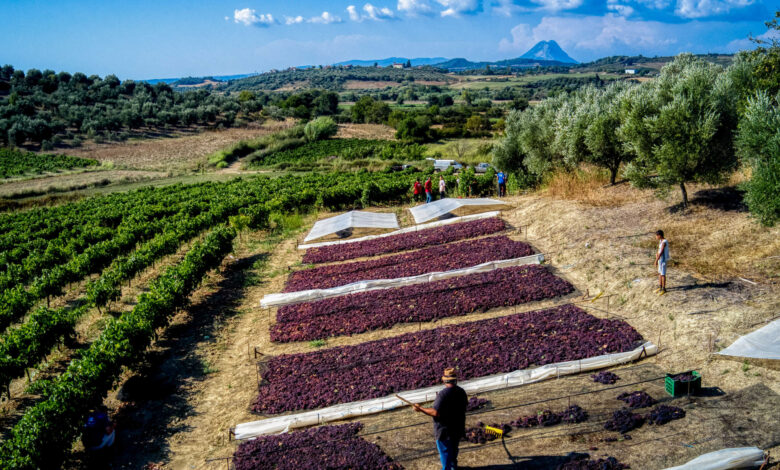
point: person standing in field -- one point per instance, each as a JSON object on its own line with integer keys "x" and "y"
{"x": 449, "y": 419}
{"x": 442, "y": 187}
{"x": 501, "y": 183}
{"x": 661, "y": 257}
{"x": 417, "y": 189}
{"x": 428, "y": 189}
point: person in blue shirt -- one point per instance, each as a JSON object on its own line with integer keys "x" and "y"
{"x": 98, "y": 433}
{"x": 501, "y": 183}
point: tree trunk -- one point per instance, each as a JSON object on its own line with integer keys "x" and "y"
{"x": 684, "y": 195}
{"x": 613, "y": 175}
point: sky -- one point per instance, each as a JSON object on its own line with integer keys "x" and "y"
{"x": 146, "y": 39}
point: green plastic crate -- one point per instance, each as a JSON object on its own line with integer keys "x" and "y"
{"x": 677, "y": 388}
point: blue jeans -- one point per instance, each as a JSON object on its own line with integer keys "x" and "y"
{"x": 448, "y": 452}
{"x": 427, "y": 197}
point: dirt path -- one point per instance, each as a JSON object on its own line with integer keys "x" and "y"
{"x": 202, "y": 373}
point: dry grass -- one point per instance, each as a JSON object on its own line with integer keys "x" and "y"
{"x": 184, "y": 153}
{"x": 73, "y": 181}
{"x": 366, "y": 131}
{"x": 590, "y": 185}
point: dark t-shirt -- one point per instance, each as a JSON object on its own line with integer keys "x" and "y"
{"x": 450, "y": 405}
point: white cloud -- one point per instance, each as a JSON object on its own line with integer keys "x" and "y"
{"x": 620, "y": 9}
{"x": 557, "y": 5}
{"x": 458, "y": 7}
{"x": 370, "y": 12}
{"x": 288, "y": 20}
{"x": 249, "y": 17}
{"x": 414, "y": 7}
{"x": 591, "y": 33}
{"x": 325, "y": 18}
{"x": 703, "y": 8}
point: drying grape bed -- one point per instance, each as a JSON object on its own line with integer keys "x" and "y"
{"x": 331, "y": 447}
{"x": 414, "y": 360}
{"x": 437, "y": 258}
{"x": 404, "y": 241}
{"x": 366, "y": 311}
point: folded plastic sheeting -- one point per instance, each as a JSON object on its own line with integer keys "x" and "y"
{"x": 423, "y": 395}
{"x": 725, "y": 459}
{"x": 351, "y": 222}
{"x": 763, "y": 343}
{"x": 415, "y": 228}
{"x": 286, "y": 298}
{"x": 443, "y": 207}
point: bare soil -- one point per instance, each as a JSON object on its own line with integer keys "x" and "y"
{"x": 366, "y": 131}
{"x": 201, "y": 375}
{"x": 181, "y": 153}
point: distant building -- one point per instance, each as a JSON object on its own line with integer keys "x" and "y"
{"x": 630, "y": 71}
{"x": 397, "y": 65}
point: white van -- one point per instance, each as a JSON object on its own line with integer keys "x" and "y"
{"x": 443, "y": 165}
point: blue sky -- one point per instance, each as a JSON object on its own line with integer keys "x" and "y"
{"x": 173, "y": 38}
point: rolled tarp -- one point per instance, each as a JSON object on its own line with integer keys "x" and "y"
{"x": 489, "y": 383}
{"x": 311, "y": 295}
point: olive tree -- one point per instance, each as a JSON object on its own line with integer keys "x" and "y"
{"x": 681, "y": 130}
{"x": 758, "y": 146}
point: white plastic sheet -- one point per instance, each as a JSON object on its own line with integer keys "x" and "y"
{"x": 415, "y": 228}
{"x": 485, "y": 384}
{"x": 763, "y": 343}
{"x": 442, "y": 207}
{"x": 726, "y": 459}
{"x": 351, "y": 221}
{"x": 286, "y": 298}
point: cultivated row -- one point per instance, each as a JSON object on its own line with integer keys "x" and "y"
{"x": 366, "y": 311}
{"x": 404, "y": 241}
{"x": 414, "y": 360}
{"x": 432, "y": 259}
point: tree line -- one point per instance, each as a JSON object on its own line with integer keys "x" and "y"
{"x": 696, "y": 122}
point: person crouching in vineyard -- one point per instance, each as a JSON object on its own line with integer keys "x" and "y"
{"x": 449, "y": 419}
{"x": 417, "y": 187}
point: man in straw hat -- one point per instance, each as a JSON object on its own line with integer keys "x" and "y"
{"x": 449, "y": 418}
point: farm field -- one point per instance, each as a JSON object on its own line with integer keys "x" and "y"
{"x": 200, "y": 357}
{"x": 498, "y": 82}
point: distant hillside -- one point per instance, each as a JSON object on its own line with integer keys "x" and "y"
{"x": 548, "y": 51}
{"x": 642, "y": 65}
{"x": 334, "y": 78}
{"x": 393, "y": 60}
{"x": 215, "y": 78}
{"x": 461, "y": 64}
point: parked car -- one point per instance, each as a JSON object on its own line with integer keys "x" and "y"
{"x": 444, "y": 165}
{"x": 482, "y": 167}
{"x": 399, "y": 168}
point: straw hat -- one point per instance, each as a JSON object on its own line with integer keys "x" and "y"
{"x": 450, "y": 375}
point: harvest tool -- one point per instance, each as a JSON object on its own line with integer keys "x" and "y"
{"x": 404, "y": 399}
{"x": 494, "y": 431}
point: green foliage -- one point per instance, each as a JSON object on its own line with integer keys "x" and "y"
{"x": 45, "y": 105}
{"x": 758, "y": 146}
{"x": 320, "y": 129}
{"x": 414, "y": 129}
{"x": 684, "y": 131}
{"x": 17, "y": 163}
{"x": 303, "y": 156}
{"x": 369, "y": 110}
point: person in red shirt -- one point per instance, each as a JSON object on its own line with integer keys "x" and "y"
{"x": 417, "y": 189}
{"x": 428, "y": 187}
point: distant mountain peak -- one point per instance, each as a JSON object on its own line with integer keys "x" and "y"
{"x": 548, "y": 50}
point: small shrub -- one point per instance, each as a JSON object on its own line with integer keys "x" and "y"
{"x": 320, "y": 129}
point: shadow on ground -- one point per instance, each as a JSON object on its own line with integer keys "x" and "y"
{"x": 154, "y": 401}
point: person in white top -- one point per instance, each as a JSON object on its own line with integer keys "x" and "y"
{"x": 442, "y": 187}
{"x": 661, "y": 257}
